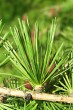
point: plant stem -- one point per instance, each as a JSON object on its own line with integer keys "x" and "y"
{"x": 36, "y": 96}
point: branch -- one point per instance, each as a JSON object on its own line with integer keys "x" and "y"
{"x": 36, "y": 96}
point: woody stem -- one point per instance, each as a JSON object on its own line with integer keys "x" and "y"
{"x": 36, "y": 96}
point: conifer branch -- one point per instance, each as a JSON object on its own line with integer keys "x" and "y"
{"x": 36, "y": 96}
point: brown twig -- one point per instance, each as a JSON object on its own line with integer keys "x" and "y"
{"x": 36, "y": 96}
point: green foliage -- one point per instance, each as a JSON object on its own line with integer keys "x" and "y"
{"x": 11, "y": 9}
{"x": 5, "y": 107}
{"x": 33, "y": 63}
{"x": 65, "y": 85}
{"x": 27, "y": 59}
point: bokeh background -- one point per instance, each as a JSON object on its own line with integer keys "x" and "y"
{"x": 42, "y": 11}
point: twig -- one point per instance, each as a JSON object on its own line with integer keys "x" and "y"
{"x": 36, "y": 96}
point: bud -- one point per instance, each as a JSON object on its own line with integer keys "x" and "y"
{"x": 28, "y": 85}
{"x": 24, "y": 18}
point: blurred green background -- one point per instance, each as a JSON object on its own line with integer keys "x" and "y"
{"x": 42, "y": 11}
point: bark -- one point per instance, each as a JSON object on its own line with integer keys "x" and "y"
{"x": 36, "y": 96}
